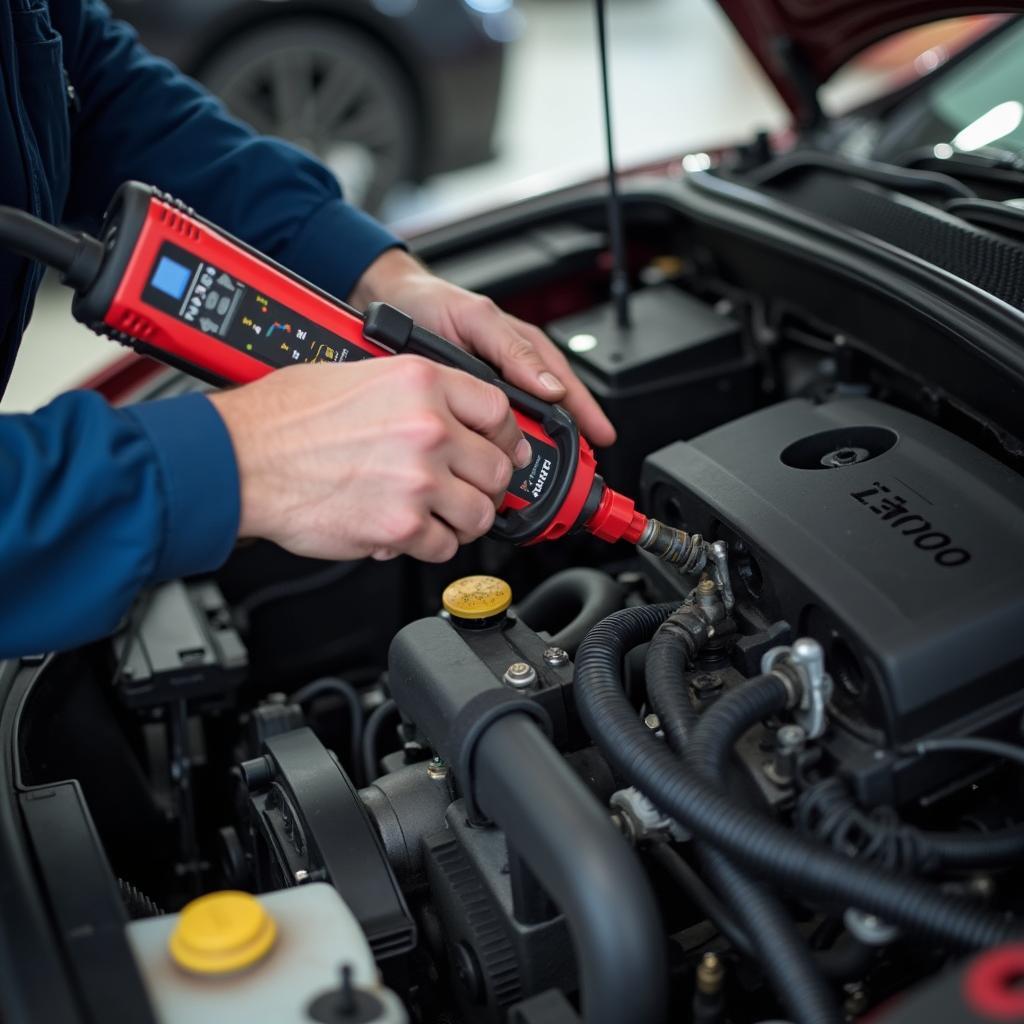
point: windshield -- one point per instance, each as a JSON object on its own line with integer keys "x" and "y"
{"x": 981, "y": 102}
{"x": 975, "y": 107}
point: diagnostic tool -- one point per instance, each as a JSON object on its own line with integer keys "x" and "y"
{"x": 173, "y": 286}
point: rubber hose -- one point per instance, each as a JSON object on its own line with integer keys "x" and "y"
{"x": 767, "y": 933}
{"x": 751, "y": 839}
{"x": 371, "y": 736}
{"x": 569, "y": 843}
{"x": 580, "y": 598}
{"x": 974, "y": 849}
{"x": 767, "y": 927}
{"x": 784, "y": 955}
{"x": 669, "y": 655}
{"x": 348, "y": 693}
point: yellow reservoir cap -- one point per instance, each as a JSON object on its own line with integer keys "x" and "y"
{"x": 222, "y": 932}
{"x": 476, "y": 597}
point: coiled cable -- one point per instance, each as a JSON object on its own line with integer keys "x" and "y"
{"x": 828, "y": 811}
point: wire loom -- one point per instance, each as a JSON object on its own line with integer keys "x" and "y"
{"x": 828, "y": 811}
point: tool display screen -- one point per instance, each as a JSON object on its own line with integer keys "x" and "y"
{"x": 205, "y": 297}
{"x": 171, "y": 277}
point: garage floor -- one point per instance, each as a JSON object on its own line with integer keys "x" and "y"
{"x": 680, "y": 81}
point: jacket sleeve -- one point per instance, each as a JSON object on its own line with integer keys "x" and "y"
{"x": 142, "y": 118}
{"x": 99, "y": 502}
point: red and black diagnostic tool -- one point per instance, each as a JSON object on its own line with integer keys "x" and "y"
{"x": 173, "y": 286}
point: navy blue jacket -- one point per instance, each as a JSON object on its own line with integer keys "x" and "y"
{"x": 96, "y": 502}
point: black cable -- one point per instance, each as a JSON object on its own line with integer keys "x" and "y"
{"x": 345, "y": 690}
{"x": 969, "y": 744}
{"x": 371, "y": 734}
{"x": 828, "y": 811}
{"x": 77, "y": 256}
{"x": 706, "y": 744}
{"x": 676, "y": 867}
{"x": 784, "y": 956}
{"x": 752, "y": 839}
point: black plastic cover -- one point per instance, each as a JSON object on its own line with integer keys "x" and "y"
{"x": 898, "y": 545}
{"x": 181, "y": 644}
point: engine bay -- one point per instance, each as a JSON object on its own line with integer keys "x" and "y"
{"x": 545, "y": 785}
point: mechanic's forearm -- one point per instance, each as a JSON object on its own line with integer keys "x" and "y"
{"x": 384, "y": 276}
{"x": 100, "y": 502}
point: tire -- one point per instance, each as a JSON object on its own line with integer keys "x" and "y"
{"x": 329, "y": 89}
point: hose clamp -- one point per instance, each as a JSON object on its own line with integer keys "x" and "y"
{"x": 801, "y": 668}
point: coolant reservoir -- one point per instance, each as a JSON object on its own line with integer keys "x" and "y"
{"x": 291, "y": 957}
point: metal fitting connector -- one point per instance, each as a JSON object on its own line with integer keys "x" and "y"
{"x": 688, "y": 552}
{"x": 710, "y": 974}
{"x": 720, "y": 570}
{"x": 803, "y": 664}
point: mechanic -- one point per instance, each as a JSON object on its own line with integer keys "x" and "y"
{"x": 377, "y": 458}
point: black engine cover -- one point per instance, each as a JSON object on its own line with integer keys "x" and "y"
{"x": 897, "y": 545}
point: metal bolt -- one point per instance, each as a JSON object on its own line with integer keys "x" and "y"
{"x": 869, "y": 929}
{"x": 301, "y": 876}
{"x": 707, "y": 586}
{"x": 520, "y": 675}
{"x": 705, "y": 683}
{"x": 789, "y": 741}
{"x": 710, "y": 973}
{"x": 790, "y": 737}
{"x": 437, "y": 768}
{"x": 556, "y": 657}
{"x": 653, "y": 722}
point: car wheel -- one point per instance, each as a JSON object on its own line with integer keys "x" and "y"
{"x": 330, "y": 90}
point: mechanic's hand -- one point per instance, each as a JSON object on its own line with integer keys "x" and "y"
{"x": 525, "y": 356}
{"x": 379, "y": 457}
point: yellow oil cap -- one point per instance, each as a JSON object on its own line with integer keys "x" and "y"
{"x": 476, "y": 597}
{"x": 222, "y": 932}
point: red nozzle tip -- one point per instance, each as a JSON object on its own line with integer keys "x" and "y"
{"x": 616, "y": 518}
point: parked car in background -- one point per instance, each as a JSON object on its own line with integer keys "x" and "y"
{"x": 384, "y": 91}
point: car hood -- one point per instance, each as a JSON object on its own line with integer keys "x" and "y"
{"x": 802, "y": 43}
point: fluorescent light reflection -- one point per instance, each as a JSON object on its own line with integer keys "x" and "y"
{"x": 997, "y": 123}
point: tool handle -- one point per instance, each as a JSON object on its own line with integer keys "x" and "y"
{"x": 533, "y": 499}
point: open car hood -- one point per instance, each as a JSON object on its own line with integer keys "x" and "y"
{"x": 802, "y": 43}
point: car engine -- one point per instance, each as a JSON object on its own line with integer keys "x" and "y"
{"x": 545, "y": 786}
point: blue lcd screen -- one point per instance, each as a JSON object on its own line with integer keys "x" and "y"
{"x": 171, "y": 277}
